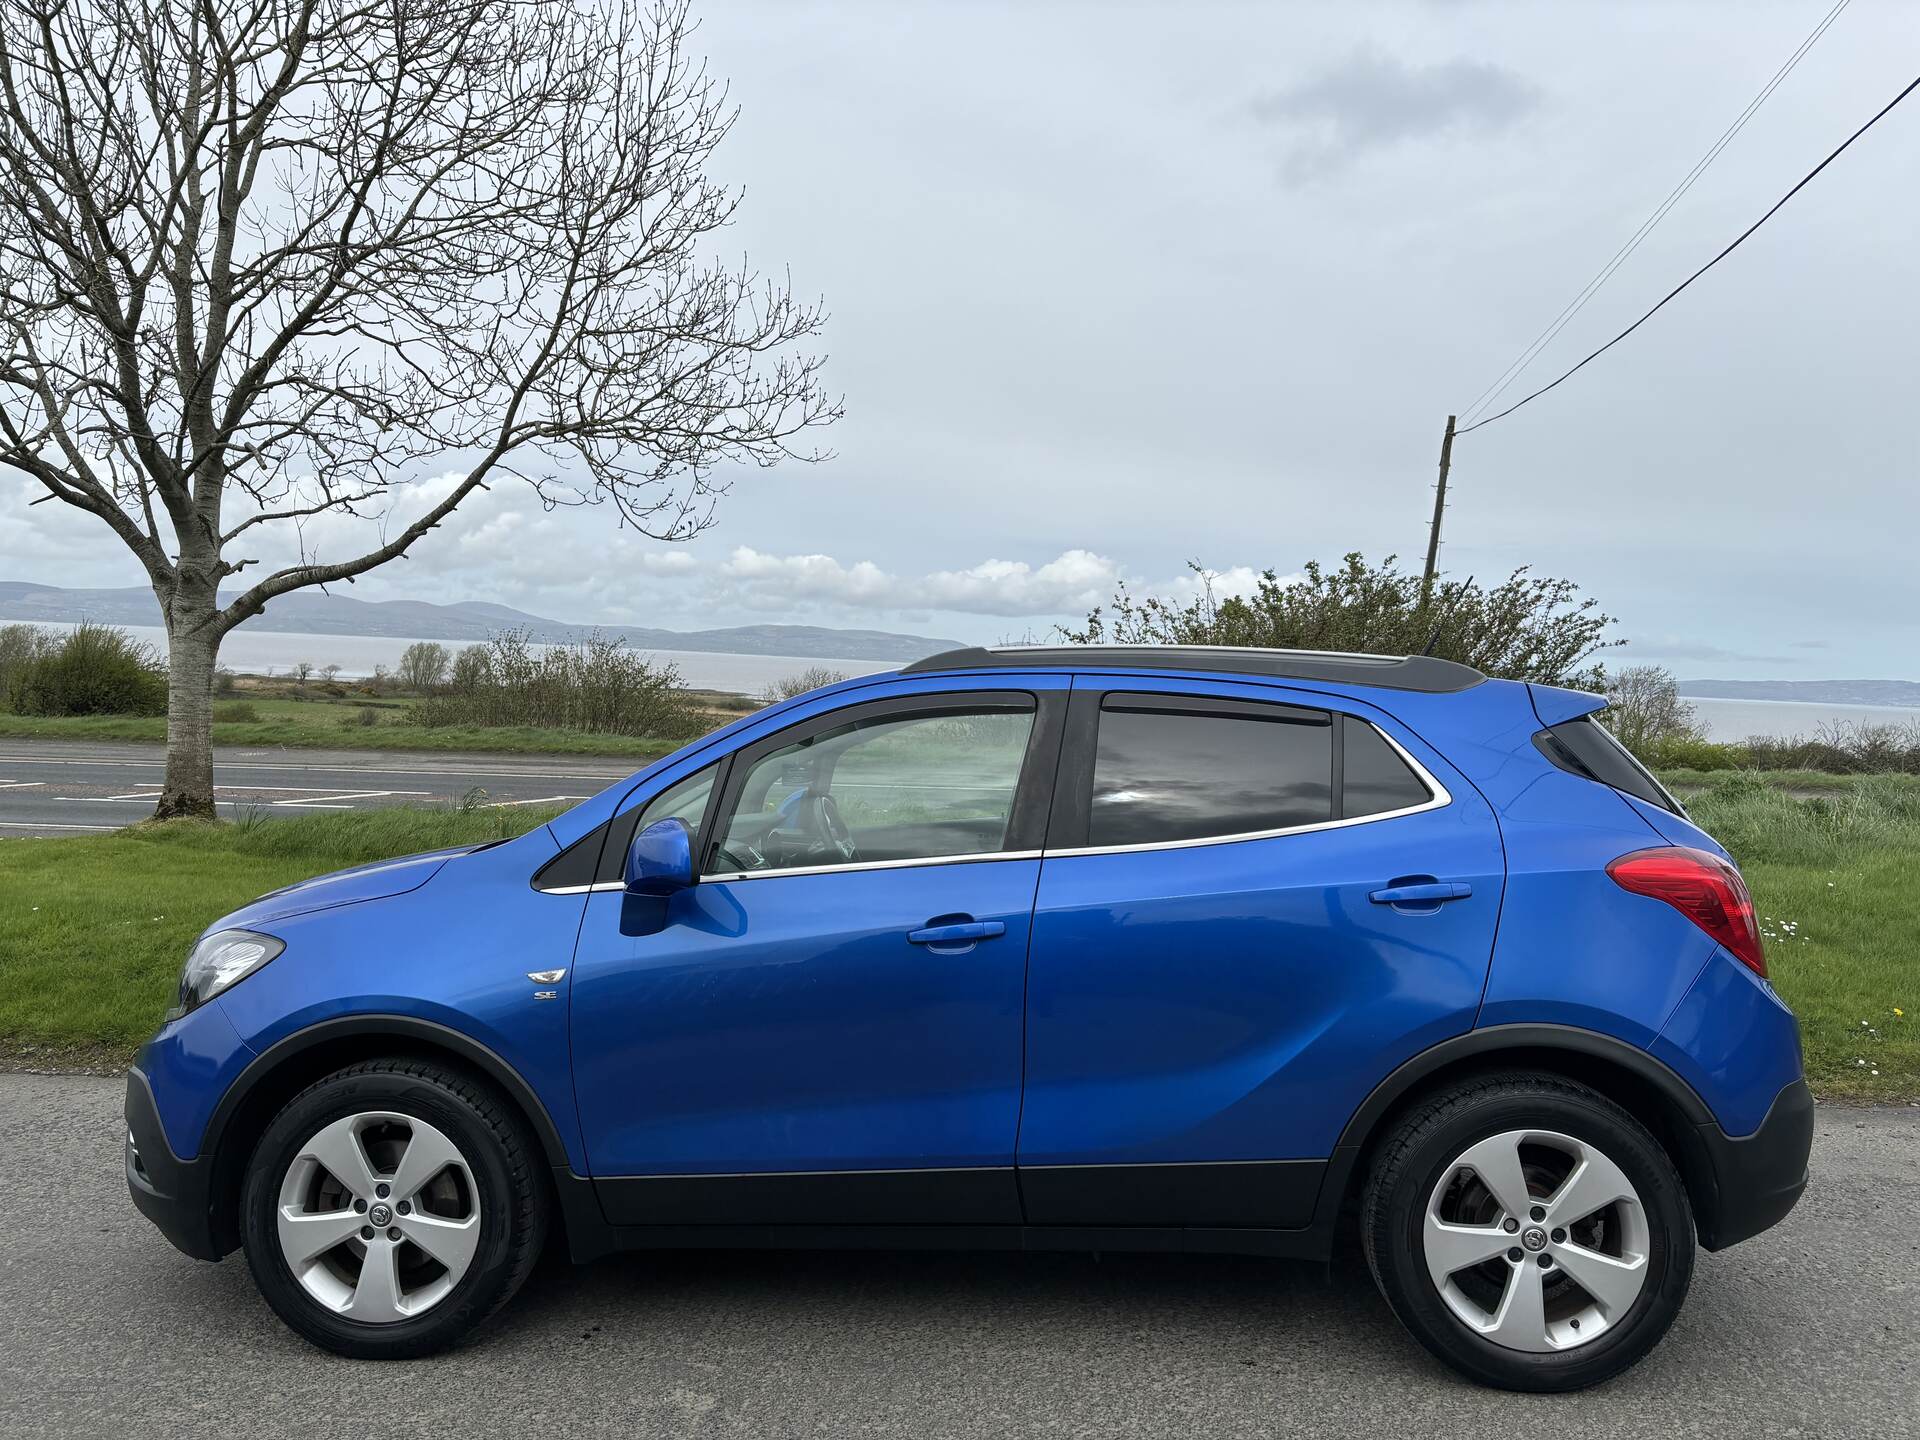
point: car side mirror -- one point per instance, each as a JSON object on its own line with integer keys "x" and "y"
{"x": 660, "y": 860}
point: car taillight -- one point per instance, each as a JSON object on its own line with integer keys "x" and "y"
{"x": 1702, "y": 887}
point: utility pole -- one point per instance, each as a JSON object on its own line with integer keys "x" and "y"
{"x": 1439, "y": 507}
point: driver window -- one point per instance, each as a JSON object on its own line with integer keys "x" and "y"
{"x": 915, "y": 788}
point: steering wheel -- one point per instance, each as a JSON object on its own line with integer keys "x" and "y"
{"x": 810, "y": 831}
{"x": 834, "y": 829}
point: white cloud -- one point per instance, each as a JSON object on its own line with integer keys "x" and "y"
{"x": 1071, "y": 583}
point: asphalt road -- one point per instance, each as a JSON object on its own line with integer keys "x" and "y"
{"x": 1811, "y": 1330}
{"x": 57, "y": 787}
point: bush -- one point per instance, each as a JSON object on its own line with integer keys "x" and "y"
{"x": 364, "y": 717}
{"x": 92, "y": 670}
{"x": 1693, "y": 752}
{"x": 812, "y": 678}
{"x": 596, "y": 686}
{"x": 238, "y": 712}
{"x": 20, "y": 647}
{"x": 1525, "y": 628}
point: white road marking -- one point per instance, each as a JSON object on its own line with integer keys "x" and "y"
{"x": 20, "y": 784}
{"x": 350, "y": 795}
{"x": 49, "y": 825}
{"x": 295, "y": 765}
{"x": 543, "y": 800}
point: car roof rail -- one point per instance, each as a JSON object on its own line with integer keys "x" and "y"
{"x": 1425, "y": 673}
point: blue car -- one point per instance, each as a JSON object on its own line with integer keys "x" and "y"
{"x": 1128, "y": 948}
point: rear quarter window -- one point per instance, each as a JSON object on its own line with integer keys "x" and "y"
{"x": 1586, "y": 748}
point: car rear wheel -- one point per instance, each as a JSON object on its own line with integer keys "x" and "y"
{"x": 1529, "y": 1232}
{"x": 391, "y": 1207}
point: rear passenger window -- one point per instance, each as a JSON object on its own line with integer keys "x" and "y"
{"x": 1376, "y": 779}
{"x": 1168, "y": 769}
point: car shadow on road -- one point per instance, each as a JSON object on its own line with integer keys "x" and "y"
{"x": 920, "y": 1305}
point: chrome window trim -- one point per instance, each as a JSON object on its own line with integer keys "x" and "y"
{"x": 970, "y": 859}
{"x": 1439, "y": 799}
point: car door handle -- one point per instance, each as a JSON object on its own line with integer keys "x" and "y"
{"x": 961, "y": 934}
{"x": 1422, "y": 894}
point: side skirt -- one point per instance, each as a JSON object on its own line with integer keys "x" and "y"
{"x": 1308, "y": 1244}
{"x": 1192, "y": 1209}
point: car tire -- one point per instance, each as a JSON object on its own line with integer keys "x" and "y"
{"x": 435, "y": 1154}
{"x": 1575, "y": 1294}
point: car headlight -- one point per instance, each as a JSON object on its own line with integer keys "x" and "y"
{"x": 219, "y": 962}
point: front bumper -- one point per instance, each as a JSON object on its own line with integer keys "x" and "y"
{"x": 1757, "y": 1178}
{"x": 174, "y": 1194}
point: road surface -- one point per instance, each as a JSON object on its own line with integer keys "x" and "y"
{"x": 1810, "y": 1330}
{"x": 58, "y": 787}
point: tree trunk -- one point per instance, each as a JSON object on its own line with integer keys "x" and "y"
{"x": 192, "y": 647}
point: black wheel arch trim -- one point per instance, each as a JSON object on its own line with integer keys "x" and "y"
{"x": 1493, "y": 1039}
{"x": 581, "y": 1216}
{"x": 1698, "y": 1160}
{"x": 405, "y": 1027}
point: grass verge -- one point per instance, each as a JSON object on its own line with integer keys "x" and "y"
{"x": 327, "y": 725}
{"x": 1832, "y": 878}
{"x": 94, "y": 929}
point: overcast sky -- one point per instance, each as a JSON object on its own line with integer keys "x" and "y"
{"x": 1117, "y": 286}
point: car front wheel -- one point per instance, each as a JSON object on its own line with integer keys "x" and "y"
{"x": 1529, "y": 1232}
{"x": 391, "y": 1207}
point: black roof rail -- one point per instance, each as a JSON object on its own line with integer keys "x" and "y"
{"x": 1425, "y": 673}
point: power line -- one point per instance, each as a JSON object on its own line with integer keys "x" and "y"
{"x": 1805, "y": 180}
{"x": 1527, "y": 356}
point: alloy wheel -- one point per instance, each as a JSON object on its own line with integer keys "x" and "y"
{"x": 378, "y": 1217}
{"x": 1536, "y": 1240}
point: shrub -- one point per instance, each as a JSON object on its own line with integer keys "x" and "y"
{"x": 20, "y": 647}
{"x": 596, "y": 685}
{"x": 363, "y": 717}
{"x": 91, "y": 670}
{"x": 236, "y": 712}
{"x": 1693, "y": 752}
{"x": 1526, "y": 627}
{"x": 812, "y": 678}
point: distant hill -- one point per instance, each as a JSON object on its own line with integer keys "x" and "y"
{"x": 1817, "y": 692}
{"x": 316, "y": 614}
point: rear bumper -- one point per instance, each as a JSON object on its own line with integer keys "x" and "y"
{"x": 173, "y": 1193}
{"x": 1758, "y": 1178}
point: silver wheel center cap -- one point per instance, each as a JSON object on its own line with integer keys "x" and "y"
{"x": 381, "y": 1216}
{"x": 1533, "y": 1237}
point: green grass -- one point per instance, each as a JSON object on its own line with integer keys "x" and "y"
{"x": 323, "y": 724}
{"x": 1833, "y": 878}
{"x": 93, "y": 930}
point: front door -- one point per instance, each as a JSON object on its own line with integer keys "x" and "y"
{"x": 1255, "y": 903}
{"x": 826, "y": 1028}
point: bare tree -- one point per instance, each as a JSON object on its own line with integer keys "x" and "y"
{"x": 267, "y": 260}
{"x": 302, "y": 672}
{"x": 423, "y": 665}
{"x": 1644, "y": 707}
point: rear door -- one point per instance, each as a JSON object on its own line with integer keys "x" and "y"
{"x": 1255, "y": 903}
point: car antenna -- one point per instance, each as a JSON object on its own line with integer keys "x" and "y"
{"x": 1434, "y": 638}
